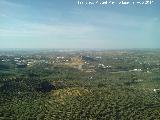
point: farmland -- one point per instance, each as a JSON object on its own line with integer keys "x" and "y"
{"x": 80, "y": 84}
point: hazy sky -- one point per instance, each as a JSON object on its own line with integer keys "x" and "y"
{"x": 65, "y": 24}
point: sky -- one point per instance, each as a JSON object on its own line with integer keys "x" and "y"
{"x": 67, "y": 24}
